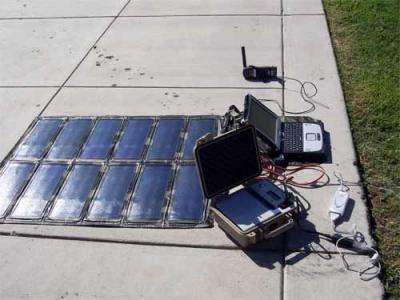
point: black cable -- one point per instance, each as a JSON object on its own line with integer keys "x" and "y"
{"x": 300, "y": 208}
{"x": 347, "y": 243}
{"x": 307, "y": 97}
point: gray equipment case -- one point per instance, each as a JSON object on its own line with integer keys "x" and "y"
{"x": 256, "y": 210}
{"x": 283, "y": 220}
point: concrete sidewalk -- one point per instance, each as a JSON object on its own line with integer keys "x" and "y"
{"x": 150, "y": 57}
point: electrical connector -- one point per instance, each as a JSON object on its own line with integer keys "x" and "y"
{"x": 375, "y": 258}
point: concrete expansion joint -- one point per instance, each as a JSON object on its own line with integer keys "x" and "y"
{"x": 83, "y": 58}
{"x": 303, "y": 15}
{"x": 55, "y": 18}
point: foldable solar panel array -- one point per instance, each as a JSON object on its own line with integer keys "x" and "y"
{"x": 121, "y": 171}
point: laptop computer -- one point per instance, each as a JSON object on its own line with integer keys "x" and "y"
{"x": 294, "y": 139}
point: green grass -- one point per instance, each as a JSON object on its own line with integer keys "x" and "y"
{"x": 366, "y": 38}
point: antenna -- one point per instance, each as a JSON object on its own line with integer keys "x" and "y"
{"x": 257, "y": 74}
{"x": 244, "y": 57}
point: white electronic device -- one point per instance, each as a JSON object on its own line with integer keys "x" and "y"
{"x": 338, "y": 205}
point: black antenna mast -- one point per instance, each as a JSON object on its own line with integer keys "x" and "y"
{"x": 244, "y": 57}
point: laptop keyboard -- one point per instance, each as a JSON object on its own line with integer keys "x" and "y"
{"x": 293, "y": 137}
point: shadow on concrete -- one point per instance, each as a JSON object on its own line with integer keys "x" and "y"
{"x": 265, "y": 259}
{"x": 267, "y": 253}
{"x": 327, "y": 148}
{"x": 347, "y": 213}
{"x": 306, "y": 241}
{"x": 303, "y": 239}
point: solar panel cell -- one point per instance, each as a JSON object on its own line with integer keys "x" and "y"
{"x": 12, "y": 182}
{"x": 76, "y": 190}
{"x": 149, "y": 196}
{"x": 132, "y": 143}
{"x": 101, "y": 139}
{"x": 196, "y": 129}
{"x": 187, "y": 203}
{"x": 70, "y": 139}
{"x": 39, "y": 192}
{"x": 166, "y": 139}
{"x": 38, "y": 140}
{"x": 109, "y": 199}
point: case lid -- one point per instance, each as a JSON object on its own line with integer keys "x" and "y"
{"x": 228, "y": 161}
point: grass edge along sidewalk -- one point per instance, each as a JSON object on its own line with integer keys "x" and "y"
{"x": 366, "y": 40}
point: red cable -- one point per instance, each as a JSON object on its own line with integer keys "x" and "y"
{"x": 278, "y": 173}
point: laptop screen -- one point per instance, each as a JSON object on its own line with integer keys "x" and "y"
{"x": 264, "y": 120}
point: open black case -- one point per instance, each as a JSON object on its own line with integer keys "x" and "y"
{"x": 247, "y": 209}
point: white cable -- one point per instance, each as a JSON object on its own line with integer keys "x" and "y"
{"x": 343, "y": 186}
{"x": 357, "y": 236}
{"x": 374, "y": 261}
